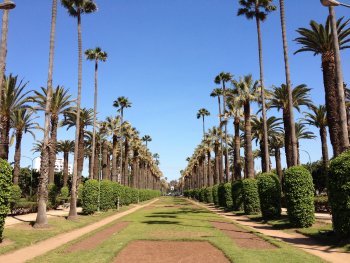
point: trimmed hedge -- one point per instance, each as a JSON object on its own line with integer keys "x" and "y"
{"x": 227, "y": 192}
{"x": 216, "y": 194}
{"x": 208, "y": 195}
{"x": 15, "y": 196}
{"x": 109, "y": 194}
{"x": 339, "y": 193}
{"x": 251, "y": 202}
{"x": 5, "y": 192}
{"x": 237, "y": 195}
{"x": 269, "y": 188}
{"x": 299, "y": 194}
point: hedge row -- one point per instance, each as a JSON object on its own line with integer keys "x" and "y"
{"x": 5, "y": 192}
{"x": 110, "y": 194}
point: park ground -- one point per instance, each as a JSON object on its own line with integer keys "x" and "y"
{"x": 164, "y": 230}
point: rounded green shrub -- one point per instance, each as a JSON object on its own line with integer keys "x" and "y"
{"x": 208, "y": 195}
{"x": 64, "y": 194}
{"x": 5, "y": 192}
{"x": 339, "y": 193}
{"x": 16, "y": 194}
{"x": 216, "y": 194}
{"x": 202, "y": 194}
{"x": 90, "y": 197}
{"x": 221, "y": 193}
{"x": 53, "y": 194}
{"x": 106, "y": 195}
{"x": 251, "y": 202}
{"x": 225, "y": 195}
{"x": 269, "y": 188}
{"x": 237, "y": 195}
{"x": 299, "y": 194}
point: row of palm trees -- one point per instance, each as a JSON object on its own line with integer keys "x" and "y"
{"x": 54, "y": 102}
{"x": 203, "y": 170}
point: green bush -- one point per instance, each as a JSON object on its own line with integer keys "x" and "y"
{"x": 339, "y": 193}
{"x": 64, "y": 194}
{"x": 216, "y": 194}
{"x": 225, "y": 196}
{"x": 269, "y": 188}
{"x": 24, "y": 207}
{"x": 321, "y": 204}
{"x": 106, "y": 195}
{"x": 16, "y": 194}
{"x": 299, "y": 194}
{"x": 251, "y": 202}
{"x": 53, "y": 195}
{"x": 221, "y": 195}
{"x": 90, "y": 197}
{"x": 202, "y": 195}
{"x": 5, "y": 192}
{"x": 208, "y": 195}
{"x": 237, "y": 195}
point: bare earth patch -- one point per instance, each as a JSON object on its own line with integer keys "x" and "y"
{"x": 243, "y": 238}
{"x": 170, "y": 252}
{"x": 6, "y": 242}
{"x": 93, "y": 241}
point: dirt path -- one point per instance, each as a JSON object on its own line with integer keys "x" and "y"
{"x": 47, "y": 245}
{"x": 300, "y": 241}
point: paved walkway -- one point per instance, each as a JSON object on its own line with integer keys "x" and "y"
{"x": 327, "y": 218}
{"x": 13, "y": 220}
{"x": 28, "y": 253}
{"x": 300, "y": 241}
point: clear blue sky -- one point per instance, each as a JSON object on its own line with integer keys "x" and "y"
{"x": 163, "y": 56}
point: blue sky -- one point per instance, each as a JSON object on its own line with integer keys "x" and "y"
{"x": 163, "y": 56}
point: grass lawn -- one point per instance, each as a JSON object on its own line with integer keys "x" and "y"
{"x": 23, "y": 234}
{"x": 178, "y": 220}
{"x": 320, "y": 231}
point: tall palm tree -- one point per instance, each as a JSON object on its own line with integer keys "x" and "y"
{"x": 247, "y": 90}
{"x": 280, "y": 101}
{"x": 75, "y": 9}
{"x": 318, "y": 118}
{"x": 60, "y": 102}
{"x": 276, "y": 143}
{"x": 95, "y": 55}
{"x": 23, "y": 122}
{"x": 112, "y": 126}
{"x": 65, "y": 147}
{"x": 70, "y": 117}
{"x": 41, "y": 218}
{"x": 291, "y": 122}
{"x": 156, "y": 158}
{"x": 14, "y": 97}
{"x": 146, "y": 139}
{"x": 302, "y": 133}
{"x": 215, "y": 135}
{"x": 217, "y": 93}
{"x": 318, "y": 40}
{"x": 259, "y": 9}
{"x": 202, "y": 113}
{"x": 222, "y": 79}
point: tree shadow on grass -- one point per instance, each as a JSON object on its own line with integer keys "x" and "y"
{"x": 160, "y": 222}
{"x": 162, "y": 216}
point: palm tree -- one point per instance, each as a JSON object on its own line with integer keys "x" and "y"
{"x": 215, "y": 136}
{"x": 65, "y": 147}
{"x": 280, "y": 101}
{"x": 86, "y": 116}
{"x": 202, "y": 113}
{"x": 222, "y": 79}
{"x": 273, "y": 127}
{"x": 41, "y": 218}
{"x": 112, "y": 126}
{"x": 156, "y": 158}
{"x": 95, "y": 55}
{"x": 319, "y": 41}
{"x": 291, "y": 122}
{"x": 75, "y": 9}
{"x": 318, "y": 118}
{"x": 218, "y": 92}
{"x": 60, "y": 102}
{"x": 302, "y": 133}
{"x": 146, "y": 139}
{"x": 13, "y": 98}
{"x": 276, "y": 143}
{"x": 247, "y": 91}
{"x": 259, "y": 9}
{"x": 23, "y": 122}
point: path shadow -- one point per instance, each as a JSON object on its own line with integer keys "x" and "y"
{"x": 160, "y": 222}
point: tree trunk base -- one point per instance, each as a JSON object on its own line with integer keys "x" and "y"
{"x": 72, "y": 218}
{"x": 41, "y": 226}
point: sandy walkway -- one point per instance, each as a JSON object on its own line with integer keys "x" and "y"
{"x": 45, "y": 246}
{"x": 300, "y": 241}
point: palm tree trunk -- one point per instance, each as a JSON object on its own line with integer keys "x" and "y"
{"x": 95, "y": 113}
{"x": 248, "y": 141}
{"x": 323, "y": 135}
{"x": 203, "y": 127}
{"x": 343, "y": 129}
{"x": 114, "y": 159}
{"x": 227, "y": 166}
{"x": 17, "y": 166}
{"x": 65, "y": 168}
{"x": 41, "y": 218}
{"x": 209, "y": 174}
{"x": 80, "y": 155}
{"x": 217, "y": 163}
{"x": 237, "y": 150}
{"x": 221, "y": 170}
{"x": 96, "y": 161}
{"x": 53, "y": 146}
{"x": 265, "y": 153}
{"x": 126, "y": 162}
{"x": 104, "y": 160}
{"x": 288, "y": 139}
{"x": 3, "y": 53}
{"x": 298, "y": 145}
{"x": 278, "y": 163}
{"x": 73, "y": 201}
{"x": 291, "y": 140}
{"x": 5, "y": 132}
{"x": 329, "y": 79}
